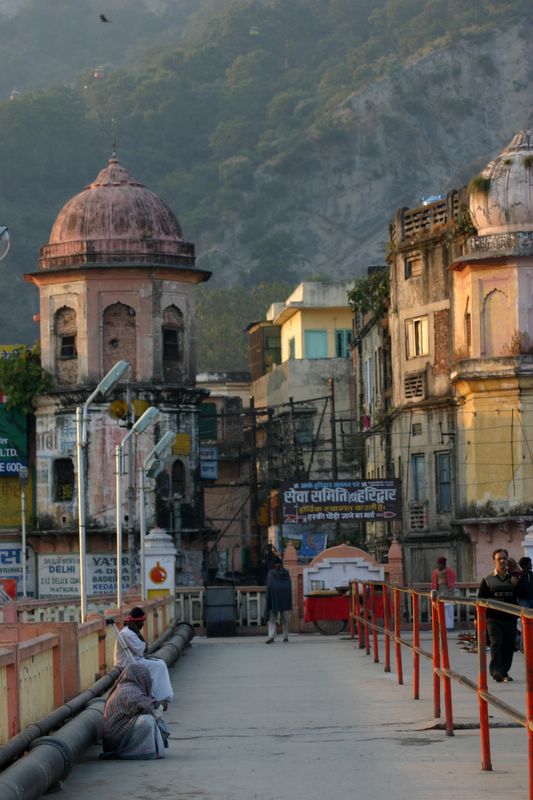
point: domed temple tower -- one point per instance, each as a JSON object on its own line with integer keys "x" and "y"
{"x": 493, "y": 358}
{"x": 116, "y": 282}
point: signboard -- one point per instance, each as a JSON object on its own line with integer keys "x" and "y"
{"x": 182, "y": 444}
{"x": 322, "y": 501}
{"x": 11, "y": 566}
{"x": 209, "y": 463}
{"x": 59, "y": 575}
{"x": 13, "y": 442}
{"x": 306, "y": 543}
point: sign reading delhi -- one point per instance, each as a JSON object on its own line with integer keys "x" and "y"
{"x": 320, "y": 501}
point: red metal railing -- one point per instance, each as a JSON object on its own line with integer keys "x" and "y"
{"x": 364, "y": 625}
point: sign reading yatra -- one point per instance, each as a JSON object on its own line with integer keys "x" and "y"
{"x": 322, "y": 501}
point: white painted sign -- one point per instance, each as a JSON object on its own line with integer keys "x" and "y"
{"x": 11, "y": 565}
{"x": 59, "y": 575}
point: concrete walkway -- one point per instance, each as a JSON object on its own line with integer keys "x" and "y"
{"x": 313, "y": 719}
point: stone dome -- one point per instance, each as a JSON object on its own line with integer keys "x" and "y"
{"x": 115, "y": 220}
{"x": 501, "y": 199}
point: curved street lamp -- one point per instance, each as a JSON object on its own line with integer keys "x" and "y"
{"x": 144, "y": 421}
{"x": 106, "y": 384}
{"x": 148, "y": 463}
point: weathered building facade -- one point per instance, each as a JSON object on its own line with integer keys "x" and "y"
{"x": 116, "y": 282}
{"x": 493, "y": 356}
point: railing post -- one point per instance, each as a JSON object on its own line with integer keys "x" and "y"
{"x": 436, "y": 654}
{"x": 352, "y": 611}
{"x": 365, "y": 618}
{"x": 484, "y": 729}
{"x": 373, "y": 618}
{"x": 397, "y": 630}
{"x": 358, "y": 613}
{"x": 416, "y": 644}
{"x": 386, "y": 625}
{"x": 527, "y": 638}
{"x": 445, "y": 661}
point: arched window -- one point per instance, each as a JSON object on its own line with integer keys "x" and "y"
{"x": 119, "y": 336}
{"x": 63, "y": 480}
{"x": 179, "y": 480}
{"x": 66, "y": 353}
{"x": 172, "y": 341}
{"x": 495, "y": 324}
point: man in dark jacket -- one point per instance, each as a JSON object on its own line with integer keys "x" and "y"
{"x": 501, "y": 627}
{"x": 278, "y": 599}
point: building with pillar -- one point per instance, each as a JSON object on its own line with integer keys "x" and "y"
{"x": 493, "y": 356}
{"x": 117, "y": 281}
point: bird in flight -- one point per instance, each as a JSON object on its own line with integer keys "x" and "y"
{"x": 104, "y": 18}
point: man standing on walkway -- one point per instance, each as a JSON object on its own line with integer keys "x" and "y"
{"x": 278, "y": 600}
{"x": 501, "y": 627}
{"x": 443, "y": 581}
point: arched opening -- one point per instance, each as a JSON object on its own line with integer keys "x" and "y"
{"x": 495, "y": 324}
{"x": 179, "y": 479}
{"x": 119, "y": 336}
{"x": 172, "y": 335}
{"x": 66, "y": 352}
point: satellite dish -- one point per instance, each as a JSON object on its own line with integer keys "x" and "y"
{"x": 118, "y": 409}
{"x": 4, "y": 242}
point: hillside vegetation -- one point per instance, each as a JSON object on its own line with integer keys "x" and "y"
{"x": 284, "y": 134}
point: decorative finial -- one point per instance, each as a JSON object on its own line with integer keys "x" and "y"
{"x": 114, "y": 139}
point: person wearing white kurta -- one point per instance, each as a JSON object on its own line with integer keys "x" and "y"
{"x": 130, "y": 648}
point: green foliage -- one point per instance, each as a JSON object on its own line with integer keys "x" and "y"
{"x": 217, "y": 123}
{"x": 22, "y": 377}
{"x": 479, "y": 185}
{"x": 371, "y": 294}
{"x": 222, "y": 314}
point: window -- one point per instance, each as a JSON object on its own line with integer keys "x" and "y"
{"x": 444, "y": 482}
{"x": 292, "y": 347}
{"x": 316, "y": 344}
{"x": 172, "y": 340}
{"x": 63, "y": 480}
{"x": 418, "y": 478}
{"x": 67, "y": 347}
{"x": 416, "y": 337}
{"x": 413, "y": 266}
{"x": 170, "y": 344}
{"x": 208, "y": 421}
{"x": 178, "y": 479}
{"x": 368, "y": 382}
{"x": 343, "y": 338}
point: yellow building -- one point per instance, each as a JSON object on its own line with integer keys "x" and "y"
{"x": 493, "y": 369}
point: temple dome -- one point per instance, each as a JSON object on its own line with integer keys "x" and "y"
{"x": 115, "y": 220}
{"x": 501, "y": 198}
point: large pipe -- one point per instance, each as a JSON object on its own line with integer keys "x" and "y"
{"x": 52, "y": 757}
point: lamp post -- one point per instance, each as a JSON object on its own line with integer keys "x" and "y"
{"x": 142, "y": 423}
{"x": 23, "y": 478}
{"x": 106, "y": 384}
{"x": 148, "y": 463}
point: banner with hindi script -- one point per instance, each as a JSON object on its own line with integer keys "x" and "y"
{"x": 340, "y": 501}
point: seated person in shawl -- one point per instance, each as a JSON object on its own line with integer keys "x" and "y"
{"x": 129, "y": 649}
{"x": 130, "y": 727}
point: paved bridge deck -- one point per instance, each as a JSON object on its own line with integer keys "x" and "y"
{"x": 314, "y": 719}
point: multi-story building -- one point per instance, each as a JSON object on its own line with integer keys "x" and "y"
{"x": 423, "y": 243}
{"x": 116, "y": 282}
{"x": 493, "y": 356}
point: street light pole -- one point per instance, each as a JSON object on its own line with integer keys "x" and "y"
{"x": 148, "y": 462}
{"x": 106, "y": 384}
{"x": 23, "y": 478}
{"x": 142, "y": 423}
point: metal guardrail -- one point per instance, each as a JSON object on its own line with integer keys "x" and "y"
{"x": 363, "y": 619}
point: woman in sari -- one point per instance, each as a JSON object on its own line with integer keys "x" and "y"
{"x": 131, "y": 730}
